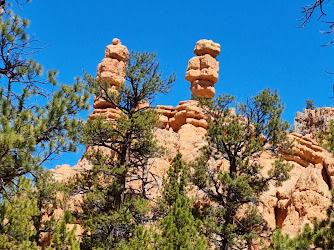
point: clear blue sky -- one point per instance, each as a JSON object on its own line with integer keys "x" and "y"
{"x": 261, "y": 45}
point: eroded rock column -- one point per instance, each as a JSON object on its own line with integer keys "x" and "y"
{"x": 111, "y": 69}
{"x": 202, "y": 71}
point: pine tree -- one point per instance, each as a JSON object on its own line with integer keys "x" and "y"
{"x": 284, "y": 242}
{"x": 46, "y": 193}
{"x": 62, "y": 237}
{"x": 113, "y": 210}
{"x": 39, "y": 119}
{"x": 36, "y": 124}
{"x": 142, "y": 240}
{"x": 310, "y": 104}
{"x": 239, "y": 138}
{"x": 25, "y": 211}
{"x": 180, "y": 230}
{"x": 17, "y": 210}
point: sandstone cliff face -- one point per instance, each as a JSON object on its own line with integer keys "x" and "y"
{"x": 304, "y": 196}
{"x": 311, "y": 122}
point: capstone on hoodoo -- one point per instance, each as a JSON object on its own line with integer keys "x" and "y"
{"x": 202, "y": 71}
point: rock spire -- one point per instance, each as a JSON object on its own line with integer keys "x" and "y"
{"x": 202, "y": 71}
{"x": 112, "y": 69}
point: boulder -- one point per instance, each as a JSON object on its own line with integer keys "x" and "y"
{"x": 117, "y": 51}
{"x": 204, "y": 46}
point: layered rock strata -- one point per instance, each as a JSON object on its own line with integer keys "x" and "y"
{"x": 289, "y": 207}
{"x": 312, "y": 121}
{"x": 304, "y": 196}
{"x": 187, "y": 112}
{"x": 202, "y": 70}
{"x": 112, "y": 70}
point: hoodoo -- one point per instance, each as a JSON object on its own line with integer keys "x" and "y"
{"x": 202, "y": 71}
{"x": 111, "y": 69}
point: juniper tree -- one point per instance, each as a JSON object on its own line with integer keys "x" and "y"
{"x": 112, "y": 209}
{"x": 239, "y": 138}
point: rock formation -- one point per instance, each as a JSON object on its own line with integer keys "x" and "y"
{"x": 312, "y": 121}
{"x": 304, "y": 196}
{"x": 307, "y": 193}
{"x": 202, "y": 71}
{"x": 187, "y": 112}
{"x": 111, "y": 69}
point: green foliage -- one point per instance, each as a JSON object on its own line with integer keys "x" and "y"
{"x": 114, "y": 209}
{"x": 24, "y": 208}
{"x": 108, "y": 224}
{"x": 32, "y": 134}
{"x": 180, "y": 230}
{"x": 142, "y": 240}
{"x": 239, "y": 138}
{"x": 310, "y": 104}
{"x": 284, "y": 242}
{"x": 326, "y": 139}
{"x": 62, "y": 237}
{"x": 176, "y": 183}
{"x": 39, "y": 119}
{"x": 17, "y": 211}
{"x": 323, "y": 231}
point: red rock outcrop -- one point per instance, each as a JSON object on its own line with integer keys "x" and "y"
{"x": 304, "y": 196}
{"x": 111, "y": 69}
{"x": 202, "y": 71}
{"x": 187, "y": 112}
{"x": 312, "y": 121}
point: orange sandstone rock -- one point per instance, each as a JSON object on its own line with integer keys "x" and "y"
{"x": 117, "y": 51}
{"x": 203, "y": 88}
{"x": 204, "y": 46}
{"x": 202, "y": 70}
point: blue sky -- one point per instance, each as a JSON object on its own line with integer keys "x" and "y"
{"x": 261, "y": 45}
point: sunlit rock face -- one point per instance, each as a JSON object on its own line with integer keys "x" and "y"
{"x": 202, "y": 70}
{"x": 312, "y": 121}
{"x": 112, "y": 70}
{"x": 183, "y": 128}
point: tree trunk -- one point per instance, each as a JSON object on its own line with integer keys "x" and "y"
{"x": 121, "y": 178}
